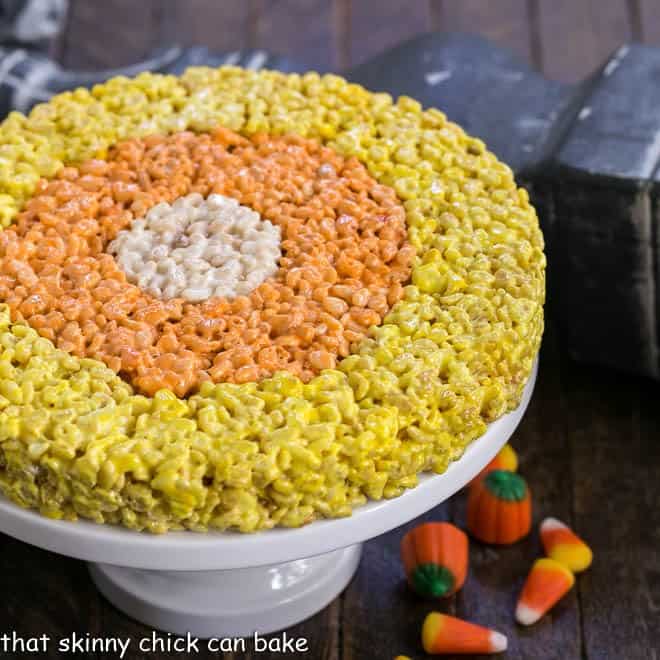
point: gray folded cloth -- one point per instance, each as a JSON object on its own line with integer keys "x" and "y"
{"x": 31, "y": 23}
{"x": 28, "y": 76}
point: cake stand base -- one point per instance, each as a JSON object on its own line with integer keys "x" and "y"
{"x": 228, "y": 603}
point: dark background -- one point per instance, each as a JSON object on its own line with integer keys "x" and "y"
{"x": 566, "y": 39}
{"x": 589, "y": 444}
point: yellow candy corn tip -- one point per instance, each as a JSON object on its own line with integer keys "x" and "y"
{"x": 430, "y": 629}
{"x": 402, "y": 657}
{"x": 577, "y": 558}
{"x": 509, "y": 458}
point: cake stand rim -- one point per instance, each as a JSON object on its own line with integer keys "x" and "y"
{"x": 190, "y": 551}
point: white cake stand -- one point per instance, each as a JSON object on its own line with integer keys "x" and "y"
{"x": 232, "y": 585}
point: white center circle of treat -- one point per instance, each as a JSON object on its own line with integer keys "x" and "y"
{"x": 198, "y": 248}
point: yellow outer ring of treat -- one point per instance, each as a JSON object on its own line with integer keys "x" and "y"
{"x": 450, "y": 357}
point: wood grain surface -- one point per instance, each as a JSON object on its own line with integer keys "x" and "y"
{"x": 589, "y": 443}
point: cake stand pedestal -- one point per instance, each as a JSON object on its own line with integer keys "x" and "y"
{"x": 231, "y": 603}
{"x": 225, "y": 584}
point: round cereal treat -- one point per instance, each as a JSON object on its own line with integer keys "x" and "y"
{"x": 239, "y": 299}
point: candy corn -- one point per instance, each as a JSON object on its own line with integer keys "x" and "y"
{"x": 564, "y": 546}
{"x": 505, "y": 459}
{"x": 446, "y": 634}
{"x": 547, "y": 582}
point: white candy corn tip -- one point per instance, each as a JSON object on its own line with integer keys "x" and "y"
{"x": 550, "y": 524}
{"x": 526, "y": 616}
{"x": 498, "y": 642}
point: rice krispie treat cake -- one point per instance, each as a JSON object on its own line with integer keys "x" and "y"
{"x": 239, "y": 299}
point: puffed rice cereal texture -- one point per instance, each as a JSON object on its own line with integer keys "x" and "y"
{"x": 450, "y": 356}
{"x": 197, "y": 248}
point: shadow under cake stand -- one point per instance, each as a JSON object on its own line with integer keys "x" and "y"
{"x": 224, "y": 584}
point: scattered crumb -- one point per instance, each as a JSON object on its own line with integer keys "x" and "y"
{"x": 436, "y": 77}
{"x": 584, "y": 113}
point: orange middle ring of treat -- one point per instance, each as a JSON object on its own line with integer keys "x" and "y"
{"x": 344, "y": 260}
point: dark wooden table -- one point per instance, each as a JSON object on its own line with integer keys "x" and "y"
{"x": 589, "y": 445}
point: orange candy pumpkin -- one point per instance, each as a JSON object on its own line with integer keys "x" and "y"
{"x": 499, "y": 508}
{"x": 435, "y": 558}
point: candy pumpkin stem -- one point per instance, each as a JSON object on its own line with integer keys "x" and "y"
{"x": 506, "y": 485}
{"x": 432, "y": 580}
